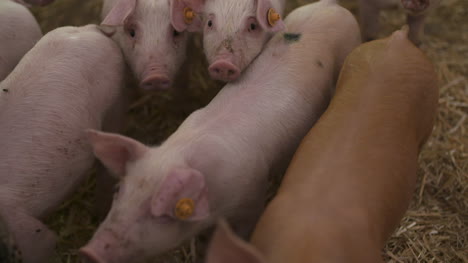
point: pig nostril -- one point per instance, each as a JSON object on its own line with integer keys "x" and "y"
{"x": 231, "y": 72}
{"x": 217, "y": 70}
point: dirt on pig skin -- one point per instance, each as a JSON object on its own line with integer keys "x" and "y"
{"x": 434, "y": 229}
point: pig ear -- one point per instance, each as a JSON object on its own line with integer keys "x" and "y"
{"x": 115, "y": 151}
{"x": 268, "y": 17}
{"x": 185, "y": 15}
{"x": 226, "y": 247}
{"x": 182, "y": 195}
{"x": 122, "y": 10}
{"x": 109, "y": 31}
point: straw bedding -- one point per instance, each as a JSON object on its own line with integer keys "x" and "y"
{"x": 435, "y": 228}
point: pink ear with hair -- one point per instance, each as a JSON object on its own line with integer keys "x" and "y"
{"x": 119, "y": 14}
{"x": 186, "y": 15}
{"x": 182, "y": 195}
{"x": 265, "y": 11}
{"x": 226, "y": 247}
{"x": 115, "y": 151}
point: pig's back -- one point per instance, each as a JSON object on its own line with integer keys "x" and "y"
{"x": 19, "y": 32}
{"x": 57, "y": 91}
{"x": 259, "y": 120}
{"x": 288, "y": 86}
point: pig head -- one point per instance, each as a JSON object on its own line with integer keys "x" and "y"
{"x": 152, "y": 46}
{"x": 150, "y": 214}
{"x": 235, "y": 32}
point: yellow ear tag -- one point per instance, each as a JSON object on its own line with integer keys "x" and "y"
{"x": 184, "y": 208}
{"x": 273, "y": 16}
{"x": 189, "y": 15}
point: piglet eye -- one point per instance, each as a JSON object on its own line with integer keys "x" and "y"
{"x": 116, "y": 188}
{"x": 253, "y": 26}
{"x": 132, "y": 32}
{"x": 175, "y": 33}
{"x": 210, "y": 23}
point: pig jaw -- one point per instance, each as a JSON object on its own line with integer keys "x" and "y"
{"x": 142, "y": 239}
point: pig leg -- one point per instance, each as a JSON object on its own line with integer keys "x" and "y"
{"x": 416, "y": 24}
{"x": 416, "y": 15}
{"x": 27, "y": 239}
{"x": 369, "y": 18}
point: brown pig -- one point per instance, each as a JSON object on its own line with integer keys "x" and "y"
{"x": 352, "y": 178}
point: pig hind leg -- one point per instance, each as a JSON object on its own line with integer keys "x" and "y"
{"x": 24, "y": 238}
{"x": 416, "y": 24}
{"x": 416, "y": 15}
{"x": 369, "y": 18}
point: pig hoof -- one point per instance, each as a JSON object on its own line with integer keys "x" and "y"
{"x": 415, "y": 6}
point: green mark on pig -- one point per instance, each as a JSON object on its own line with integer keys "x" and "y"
{"x": 319, "y": 63}
{"x": 291, "y": 37}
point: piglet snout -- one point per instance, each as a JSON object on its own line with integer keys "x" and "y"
{"x": 155, "y": 81}
{"x": 155, "y": 77}
{"x": 90, "y": 256}
{"x": 224, "y": 70}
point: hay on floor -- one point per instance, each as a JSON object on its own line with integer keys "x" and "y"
{"x": 435, "y": 228}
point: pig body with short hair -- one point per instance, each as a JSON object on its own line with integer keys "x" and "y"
{"x": 217, "y": 163}
{"x": 19, "y": 31}
{"x": 153, "y": 48}
{"x": 353, "y": 176}
{"x": 57, "y": 91}
{"x": 416, "y": 10}
{"x": 234, "y": 32}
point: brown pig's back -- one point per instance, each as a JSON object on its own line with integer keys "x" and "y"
{"x": 355, "y": 170}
